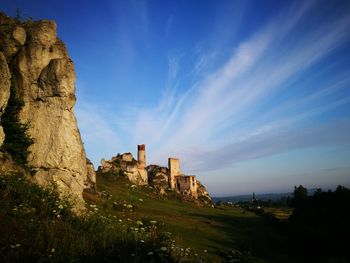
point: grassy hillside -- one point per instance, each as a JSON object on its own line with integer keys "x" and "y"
{"x": 125, "y": 223}
{"x": 214, "y": 233}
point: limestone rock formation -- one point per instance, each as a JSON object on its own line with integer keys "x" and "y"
{"x": 91, "y": 175}
{"x": 124, "y": 165}
{"x": 203, "y": 194}
{"x": 158, "y": 178}
{"x": 42, "y": 76}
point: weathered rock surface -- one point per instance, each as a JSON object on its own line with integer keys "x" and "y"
{"x": 158, "y": 178}
{"x": 203, "y": 194}
{"x": 43, "y": 77}
{"x": 124, "y": 165}
{"x": 91, "y": 175}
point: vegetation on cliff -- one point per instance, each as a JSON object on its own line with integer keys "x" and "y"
{"x": 17, "y": 139}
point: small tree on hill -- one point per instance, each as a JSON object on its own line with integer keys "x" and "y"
{"x": 299, "y": 196}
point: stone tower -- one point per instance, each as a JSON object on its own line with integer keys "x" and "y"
{"x": 174, "y": 170}
{"x": 141, "y": 155}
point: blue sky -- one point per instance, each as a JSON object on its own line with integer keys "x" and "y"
{"x": 250, "y": 95}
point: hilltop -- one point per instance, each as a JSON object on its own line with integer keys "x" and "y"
{"x": 163, "y": 180}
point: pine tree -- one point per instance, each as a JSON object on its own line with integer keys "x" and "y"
{"x": 17, "y": 140}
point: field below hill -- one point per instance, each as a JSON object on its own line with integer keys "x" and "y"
{"x": 216, "y": 234}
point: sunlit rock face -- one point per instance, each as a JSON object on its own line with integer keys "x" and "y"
{"x": 158, "y": 178}
{"x": 42, "y": 76}
{"x": 203, "y": 194}
{"x": 91, "y": 175}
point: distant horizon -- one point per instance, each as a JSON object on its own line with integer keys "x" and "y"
{"x": 332, "y": 188}
{"x": 249, "y": 95}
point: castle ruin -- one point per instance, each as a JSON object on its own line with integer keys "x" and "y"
{"x": 185, "y": 184}
{"x": 125, "y": 164}
{"x": 137, "y": 172}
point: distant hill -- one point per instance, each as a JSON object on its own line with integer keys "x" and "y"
{"x": 264, "y": 197}
{"x": 243, "y": 198}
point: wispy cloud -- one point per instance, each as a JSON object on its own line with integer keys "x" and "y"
{"x": 268, "y": 143}
{"x": 239, "y": 110}
{"x": 216, "y": 106}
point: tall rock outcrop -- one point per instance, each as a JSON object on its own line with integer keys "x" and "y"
{"x": 35, "y": 63}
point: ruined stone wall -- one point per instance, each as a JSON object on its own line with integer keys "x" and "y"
{"x": 193, "y": 187}
{"x": 141, "y": 155}
{"x": 187, "y": 185}
{"x": 127, "y": 157}
{"x": 174, "y": 170}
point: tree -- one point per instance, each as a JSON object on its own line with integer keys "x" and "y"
{"x": 299, "y": 196}
{"x": 17, "y": 140}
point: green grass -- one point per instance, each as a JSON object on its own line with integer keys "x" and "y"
{"x": 125, "y": 224}
{"x": 37, "y": 225}
{"x": 279, "y": 213}
{"x": 210, "y": 232}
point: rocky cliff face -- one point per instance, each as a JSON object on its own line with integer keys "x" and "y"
{"x": 37, "y": 66}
